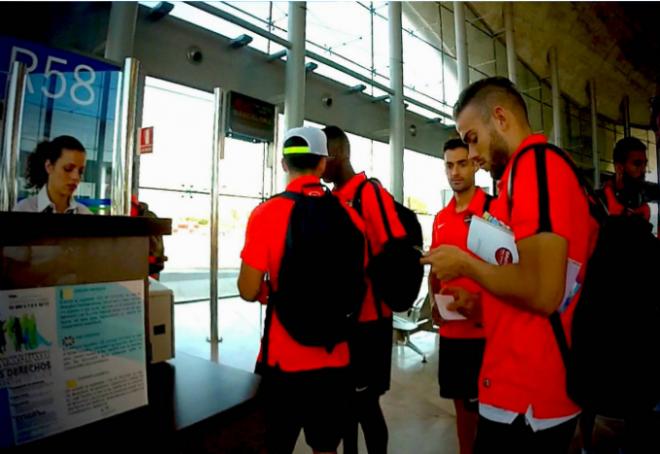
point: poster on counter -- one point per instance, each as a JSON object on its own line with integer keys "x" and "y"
{"x": 69, "y": 356}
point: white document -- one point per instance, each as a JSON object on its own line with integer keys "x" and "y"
{"x": 572, "y": 286}
{"x": 442, "y": 301}
{"x": 492, "y": 243}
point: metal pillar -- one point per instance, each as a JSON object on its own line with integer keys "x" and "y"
{"x": 11, "y": 140}
{"x": 218, "y": 154}
{"x": 625, "y": 111}
{"x": 397, "y": 108}
{"x": 461, "y": 46}
{"x": 294, "y": 99}
{"x": 556, "y": 108}
{"x": 510, "y": 42}
{"x": 121, "y": 30}
{"x": 125, "y": 146}
{"x": 594, "y": 132}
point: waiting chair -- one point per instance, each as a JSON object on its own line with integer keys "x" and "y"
{"x": 407, "y": 323}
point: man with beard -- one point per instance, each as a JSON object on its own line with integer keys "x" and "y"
{"x": 523, "y": 403}
{"x": 461, "y": 341}
{"x": 623, "y": 193}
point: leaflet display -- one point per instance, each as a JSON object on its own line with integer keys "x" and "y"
{"x": 69, "y": 356}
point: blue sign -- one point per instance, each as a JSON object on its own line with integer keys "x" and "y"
{"x": 69, "y": 74}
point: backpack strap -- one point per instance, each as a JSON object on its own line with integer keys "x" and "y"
{"x": 265, "y": 340}
{"x": 596, "y": 207}
{"x": 487, "y": 202}
{"x": 357, "y": 203}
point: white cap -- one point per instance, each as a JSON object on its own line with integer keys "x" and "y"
{"x": 315, "y": 139}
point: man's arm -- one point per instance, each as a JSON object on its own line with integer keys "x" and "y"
{"x": 250, "y": 282}
{"x": 535, "y": 284}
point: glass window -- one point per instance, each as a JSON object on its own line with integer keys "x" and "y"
{"x": 535, "y": 114}
{"x": 210, "y": 22}
{"x": 481, "y": 53}
{"x": 428, "y": 81}
{"x": 451, "y": 81}
{"x": 172, "y": 109}
{"x": 342, "y": 31}
{"x": 502, "y": 67}
{"x": 188, "y": 247}
{"x": 448, "y": 30}
{"x": 381, "y": 166}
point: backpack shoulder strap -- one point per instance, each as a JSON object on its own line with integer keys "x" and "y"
{"x": 596, "y": 207}
{"x": 487, "y": 202}
{"x": 357, "y": 202}
{"x": 295, "y": 196}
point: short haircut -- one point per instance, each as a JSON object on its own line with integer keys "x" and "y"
{"x": 624, "y": 146}
{"x": 336, "y": 135}
{"x": 490, "y": 91}
{"x": 454, "y": 143}
{"x": 300, "y": 162}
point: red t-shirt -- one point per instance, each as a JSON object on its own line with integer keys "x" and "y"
{"x": 451, "y": 227}
{"x": 522, "y": 363}
{"x": 375, "y": 231}
{"x": 615, "y": 208}
{"x": 264, "y": 247}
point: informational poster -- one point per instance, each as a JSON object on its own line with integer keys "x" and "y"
{"x": 69, "y": 356}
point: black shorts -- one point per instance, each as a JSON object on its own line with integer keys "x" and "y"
{"x": 314, "y": 401}
{"x": 371, "y": 355}
{"x": 459, "y": 366}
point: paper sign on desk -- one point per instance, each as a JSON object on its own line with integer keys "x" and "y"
{"x": 492, "y": 243}
{"x": 442, "y": 301}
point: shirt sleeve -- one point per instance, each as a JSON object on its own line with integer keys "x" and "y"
{"x": 546, "y": 196}
{"x": 373, "y": 217}
{"x": 435, "y": 238}
{"x": 255, "y": 250}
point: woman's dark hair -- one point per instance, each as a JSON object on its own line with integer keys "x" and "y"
{"x": 48, "y": 151}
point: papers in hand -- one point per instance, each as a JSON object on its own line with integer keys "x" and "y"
{"x": 492, "y": 243}
{"x": 442, "y": 301}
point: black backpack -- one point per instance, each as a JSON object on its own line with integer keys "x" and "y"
{"x": 613, "y": 364}
{"x": 396, "y": 273}
{"x": 321, "y": 283}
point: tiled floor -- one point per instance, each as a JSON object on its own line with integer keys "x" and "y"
{"x": 419, "y": 420}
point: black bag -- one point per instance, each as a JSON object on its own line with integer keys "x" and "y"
{"x": 613, "y": 364}
{"x": 396, "y": 273}
{"x": 321, "y": 283}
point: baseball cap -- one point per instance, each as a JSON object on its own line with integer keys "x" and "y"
{"x": 305, "y": 140}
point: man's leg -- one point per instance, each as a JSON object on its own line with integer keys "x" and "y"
{"x": 283, "y": 413}
{"x": 325, "y": 397}
{"x": 497, "y": 438}
{"x": 373, "y": 422}
{"x": 555, "y": 440}
{"x": 350, "y": 439}
{"x": 467, "y": 416}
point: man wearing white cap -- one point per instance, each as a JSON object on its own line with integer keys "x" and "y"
{"x": 311, "y": 250}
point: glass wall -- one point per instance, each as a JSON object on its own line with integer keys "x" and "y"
{"x": 175, "y": 180}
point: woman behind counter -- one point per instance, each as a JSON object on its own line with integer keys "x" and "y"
{"x": 55, "y": 168}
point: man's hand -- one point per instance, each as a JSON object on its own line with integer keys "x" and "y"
{"x": 447, "y": 262}
{"x": 465, "y": 303}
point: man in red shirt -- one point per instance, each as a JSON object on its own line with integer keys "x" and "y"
{"x": 623, "y": 194}
{"x": 304, "y": 386}
{"x": 461, "y": 341}
{"x": 523, "y": 403}
{"x": 371, "y": 346}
